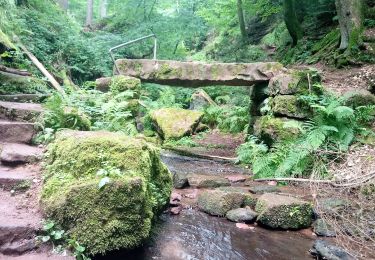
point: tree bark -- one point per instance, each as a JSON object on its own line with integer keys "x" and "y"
{"x": 350, "y": 14}
{"x": 241, "y": 19}
{"x": 103, "y": 8}
{"x": 291, "y": 21}
{"x": 89, "y": 12}
{"x": 64, "y": 4}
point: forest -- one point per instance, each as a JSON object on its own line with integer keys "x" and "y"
{"x": 187, "y": 129}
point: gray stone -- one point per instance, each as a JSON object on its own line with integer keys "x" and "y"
{"x": 323, "y": 229}
{"x": 16, "y": 132}
{"x": 324, "y": 250}
{"x": 20, "y": 153}
{"x": 180, "y": 180}
{"x": 196, "y": 74}
{"x": 207, "y": 181}
{"x": 241, "y": 215}
{"x": 19, "y": 111}
{"x": 263, "y": 189}
{"x": 359, "y": 98}
{"x": 283, "y": 212}
{"x": 218, "y": 203}
{"x": 200, "y": 100}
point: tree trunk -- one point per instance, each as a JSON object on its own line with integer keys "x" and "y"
{"x": 89, "y": 13}
{"x": 350, "y": 14}
{"x": 64, "y": 4}
{"x": 241, "y": 19}
{"x": 103, "y": 8}
{"x": 291, "y": 21}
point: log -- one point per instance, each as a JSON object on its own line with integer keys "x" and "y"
{"x": 42, "y": 69}
{"x": 14, "y": 71}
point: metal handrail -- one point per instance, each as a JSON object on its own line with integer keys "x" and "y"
{"x": 129, "y": 43}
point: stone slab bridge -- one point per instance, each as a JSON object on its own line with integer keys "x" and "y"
{"x": 198, "y": 74}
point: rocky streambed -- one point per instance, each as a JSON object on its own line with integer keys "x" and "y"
{"x": 187, "y": 232}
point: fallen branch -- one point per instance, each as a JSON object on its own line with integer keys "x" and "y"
{"x": 294, "y": 179}
{"x": 42, "y": 69}
{"x": 15, "y": 71}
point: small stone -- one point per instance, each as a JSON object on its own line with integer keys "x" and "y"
{"x": 324, "y": 250}
{"x": 236, "y": 178}
{"x": 175, "y": 199}
{"x": 241, "y": 215}
{"x": 180, "y": 180}
{"x": 244, "y": 226}
{"x": 322, "y": 228}
{"x": 263, "y": 189}
{"x": 175, "y": 210}
{"x": 272, "y": 183}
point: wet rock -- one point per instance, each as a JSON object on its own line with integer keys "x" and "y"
{"x": 200, "y": 99}
{"x": 293, "y": 82}
{"x": 242, "y": 215}
{"x": 359, "y": 98}
{"x": 236, "y": 178}
{"x": 324, "y": 250}
{"x": 175, "y": 199}
{"x": 20, "y": 153}
{"x": 207, "y": 181}
{"x": 248, "y": 201}
{"x": 180, "y": 180}
{"x": 289, "y": 106}
{"x": 218, "y": 203}
{"x": 323, "y": 229}
{"x": 244, "y": 226}
{"x": 261, "y": 189}
{"x": 283, "y": 212}
{"x": 175, "y": 123}
{"x": 271, "y": 129}
{"x": 175, "y": 210}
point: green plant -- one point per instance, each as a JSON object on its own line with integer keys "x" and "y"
{"x": 60, "y": 240}
{"x": 184, "y": 141}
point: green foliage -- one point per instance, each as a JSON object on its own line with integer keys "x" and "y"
{"x": 60, "y": 240}
{"x": 333, "y": 128}
{"x": 185, "y": 141}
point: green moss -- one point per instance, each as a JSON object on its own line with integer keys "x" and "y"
{"x": 174, "y": 123}
{"x": 359, "y": 98}
{"x": 5, "y": 41}
{"x": 117, "y": 216}
{"x": 218, "y": 202}
{"x": 122, "y": 83}
{"x": 290, "y": 106}
{"x": 75, "y": 119}
{"x": 166, "y": 72}
{"x": 271, "y": 129}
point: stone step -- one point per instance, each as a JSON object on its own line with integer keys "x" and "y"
{"x": 18, "y": 178}
{"x": 20, "y": 220}
{"x": 16, "y": 132}
{"x": 27, "y": 98}
{"x": 20, "y": 153}
{"x": 15, "y": 111}
{"x": 37, "y": 256}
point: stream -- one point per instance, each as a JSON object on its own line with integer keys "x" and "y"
{"x": 194, "y": 235}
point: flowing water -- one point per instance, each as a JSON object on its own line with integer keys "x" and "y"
{"x": 194, "y": 235}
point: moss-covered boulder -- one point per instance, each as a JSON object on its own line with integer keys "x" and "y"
{"x": 284, "y": 212}
{"x": 121, "y": 83}
{"x": 104, "y": 188}
{"x": 289, "y": 106}
{"x": 271, "y": 129}
{"x": 219, "y": 202}
{"x": 249, "y": 199}
{"x": 359, "y": 98}
{"x": 174, "y": 123}
{"x": 200, "y": 100}
{"x": 293, "y": 82}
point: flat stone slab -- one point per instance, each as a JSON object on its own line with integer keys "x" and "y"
{"x": 24, "y": 98}
{"x": 197, "y": 74}
{"x": 20, "y": 111}
{"x": 11, "y": 178}
{"x": 20, "y": 153}
{"x": 16, "y": 132}
{"x": 207, "y": 181}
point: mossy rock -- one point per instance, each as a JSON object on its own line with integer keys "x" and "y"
{"x": 294, "y": 82}
{"x": 200, "y": 100}
{"x": 175, "y": 123}
{"x": 359, "y": 98}
{"x": 271, "y": 129}
{"x": 118, "y": 215}
{"x": 76, "y": 119}
{"x": 283, "y": 212}
{"x": 207, "y": 181}
{"x": 121, "y": 83}
{"x": 5, "y": 43}
{"x": 218, "y": 202}
{"x": 289, "y": 106}
{"x": 248, "y": 201}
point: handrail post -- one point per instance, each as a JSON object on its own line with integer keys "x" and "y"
{"x": 129, "y": 43}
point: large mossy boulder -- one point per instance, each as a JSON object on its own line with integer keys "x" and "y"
{"x": 271, "y": 129}
{"x": 118, "y": 84}
{"x": 292, "y": 82}
{"x": 289, "y": 106}
{"x": 104, "y": 188}
{"x": 175, "y": 123}
{"x": 284, "y": 212}
{"x": 200, "y": 100}
{"x": 219, "y": 202}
